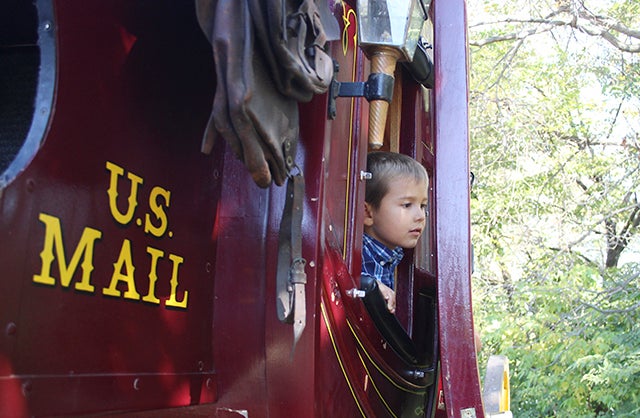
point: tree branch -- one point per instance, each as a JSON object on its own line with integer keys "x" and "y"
{"x": 581, "y": 19}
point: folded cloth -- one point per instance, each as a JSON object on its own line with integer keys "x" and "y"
{"x": 269, "y": 55}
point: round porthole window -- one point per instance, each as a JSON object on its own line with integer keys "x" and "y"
{"x": 27, "y": 77}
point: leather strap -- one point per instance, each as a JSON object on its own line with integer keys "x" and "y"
{"x": 291, "y": 277}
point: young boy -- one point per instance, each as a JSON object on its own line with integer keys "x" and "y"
{"x": 395, "y": 205}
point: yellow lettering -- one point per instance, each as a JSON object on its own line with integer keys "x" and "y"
{"x": 157, "y": 209}
{"x": 124, "y": 261}
{"x": 177, "y": 260}
{"x": 53, "y": 239}
{"x": 153, "y": 275}
{"x": 117, "y": 171}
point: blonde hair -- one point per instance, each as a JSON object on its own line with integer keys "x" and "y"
{"x": 385, "y": 166}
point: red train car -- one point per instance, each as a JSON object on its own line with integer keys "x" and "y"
{"x": 142, "y": 265}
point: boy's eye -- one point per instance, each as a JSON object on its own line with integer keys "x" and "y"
{"x": 406, "y": 205}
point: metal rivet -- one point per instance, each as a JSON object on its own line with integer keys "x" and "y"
{"x": 356, "y": 293}
{"x": 468, "y": 413}
{"x": 11, "y": 329}
{"x": 27, "y": 387}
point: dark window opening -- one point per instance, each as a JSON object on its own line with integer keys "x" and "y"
{"x": 19, "y": 68}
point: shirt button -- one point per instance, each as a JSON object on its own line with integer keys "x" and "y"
{"x": 382, "y": 263}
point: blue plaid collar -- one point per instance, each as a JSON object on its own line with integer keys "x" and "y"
{"x": 379, "y": 261}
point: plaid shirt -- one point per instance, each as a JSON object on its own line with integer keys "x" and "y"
{"x": 378, "y": 261}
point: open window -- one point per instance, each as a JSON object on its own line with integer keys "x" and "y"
{"x": 27, "y": 76}
{"x": 412, "y": 330}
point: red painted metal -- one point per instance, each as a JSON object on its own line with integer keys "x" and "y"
{"x": 459, "y": 366}
{"x": 133, "y": 92}
{"x": 77, "y": 349}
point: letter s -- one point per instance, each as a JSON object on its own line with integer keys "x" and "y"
{"x": 158, "y": 209}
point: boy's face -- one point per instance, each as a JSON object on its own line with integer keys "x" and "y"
{"x": 401, "y": 217}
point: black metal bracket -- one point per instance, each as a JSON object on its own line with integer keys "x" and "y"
{"x": 378, "y": 86}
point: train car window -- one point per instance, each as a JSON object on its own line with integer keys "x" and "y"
{"x": 412, "y": 330}
{"x": 27, "y": 74}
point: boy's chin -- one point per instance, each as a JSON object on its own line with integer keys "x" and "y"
{"x": 410, "y": 244}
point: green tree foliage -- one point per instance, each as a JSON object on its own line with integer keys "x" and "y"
{"x": 555, "y": 130}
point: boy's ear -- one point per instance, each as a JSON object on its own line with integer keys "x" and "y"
{"x": 368, "y": 214}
